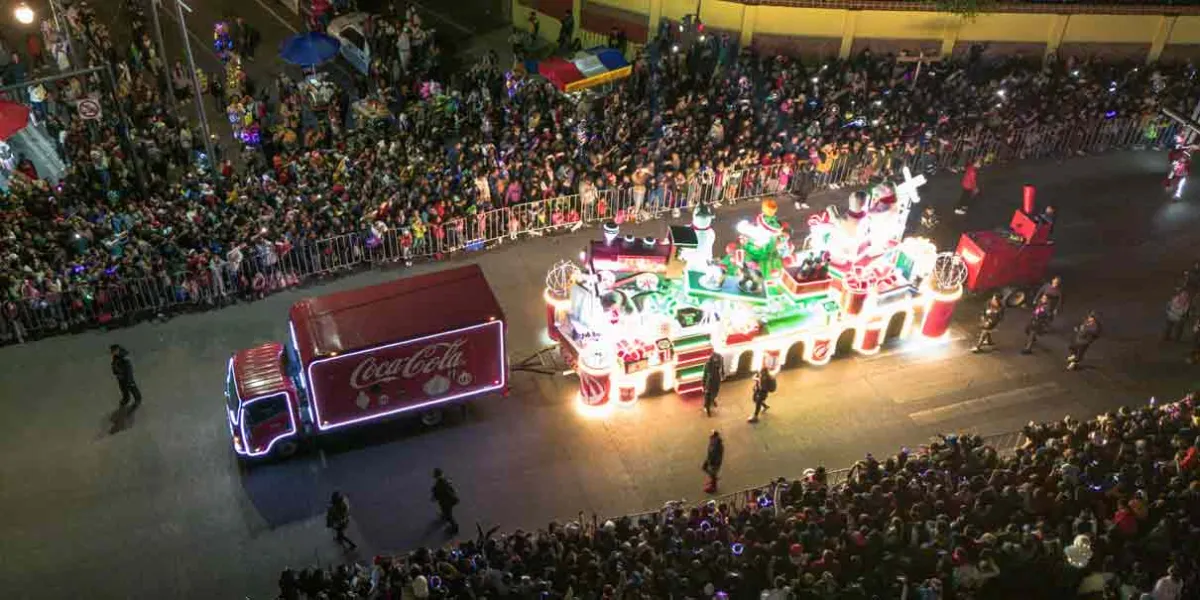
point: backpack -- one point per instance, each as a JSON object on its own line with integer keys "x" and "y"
{"x": 769, "y": 384}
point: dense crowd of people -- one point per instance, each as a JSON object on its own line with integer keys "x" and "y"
{"x": 177, "y": 226}
{"x": 1102, "y": 509}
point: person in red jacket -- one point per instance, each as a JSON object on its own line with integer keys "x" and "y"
{"x": 970, "y": 187}
{"x": 1180, "y": 160}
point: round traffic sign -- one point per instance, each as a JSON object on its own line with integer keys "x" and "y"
{"x": 88, "y": 108}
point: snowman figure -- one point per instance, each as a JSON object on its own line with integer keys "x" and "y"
{"x": 697, "y": 258}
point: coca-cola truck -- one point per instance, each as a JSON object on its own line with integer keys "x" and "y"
{"x": 410, "y": 346}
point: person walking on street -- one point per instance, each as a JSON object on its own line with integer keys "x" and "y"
{"x": 1052, "y": 291}
{"x": 764, "y": 385}
{"x": 1179, "y": 307}
{"x": 712, "y": 461}
{"x": 446, "y": 497}
{"x": 337, "y": 518}
{"x": 122, "y": 369}
{"x": 970, "y": 188}
{"x": 993, "y": 313}
{"x": 1086, "y": 333}
{"x": 1038, "y": 321}
{"x": 714, "y": 372}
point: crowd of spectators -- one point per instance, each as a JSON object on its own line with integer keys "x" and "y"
{"x": 98, "y": 243}
{"x": 957, "y": 519}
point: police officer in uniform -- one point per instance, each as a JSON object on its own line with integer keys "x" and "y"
{"x": 1086, "y": 333}
{"x": 122, "y": 369}
{"x": 993, "y": 313}
{"x": 714, "y": 372}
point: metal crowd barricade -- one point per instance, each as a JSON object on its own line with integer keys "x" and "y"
{"x": 262, "y": 271}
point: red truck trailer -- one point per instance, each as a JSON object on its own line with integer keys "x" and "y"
{"x": 410, "y": 346}
{"x": 1012, "y": 259}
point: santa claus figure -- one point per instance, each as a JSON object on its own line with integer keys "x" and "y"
{"x": 855, "y": 226}
{"x": 885, "y": 215}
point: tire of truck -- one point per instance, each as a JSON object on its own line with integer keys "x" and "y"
{"x": 285, "y": 449}
{"x": 433, "y": 417}
{"x": 1014, "y": 297}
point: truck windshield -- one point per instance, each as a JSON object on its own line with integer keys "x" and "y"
{"x": 267, "y": 409}
{"x": 231, "y": 397}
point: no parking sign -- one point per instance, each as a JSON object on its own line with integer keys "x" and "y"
{"x": 88, "y": 109}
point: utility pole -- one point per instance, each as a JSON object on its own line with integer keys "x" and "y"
{"x": 162, "y": 55}
{"x": 65, "y": 32}
{"x": 187, "y": 46}
{"x": 129, "y": 139}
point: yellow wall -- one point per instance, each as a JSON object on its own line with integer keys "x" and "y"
{"x": 1050, "y": 29}
{"x": 641, "y": 7}
{"x": 1113, "y": 29}
{"x": 1186, "y": 31}
{"x": 818, "y": 22}
{"x": 1006, "y": 27}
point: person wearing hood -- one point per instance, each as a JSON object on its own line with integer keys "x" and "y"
{"x": 122, "y": 369}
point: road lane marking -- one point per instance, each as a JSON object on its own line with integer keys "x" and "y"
{"x": 282, "y": 21}
{"x": 985, "y": 403}
{"x": 443, "y": 18}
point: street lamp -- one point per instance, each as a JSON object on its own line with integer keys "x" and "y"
{"x": 24, "y": 14}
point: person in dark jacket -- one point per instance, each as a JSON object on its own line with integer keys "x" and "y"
{"x": 713, "y": 460}
{"x": 802, "y": 185}
{"x": 1052, "y": 291}
{"x": 1086, "y": 334}
{"x": 122, "y": 369}
{"x": 446, "y": 497}
{"x": 337, "y": 518}
{"x": 764, "y": 384}
{"x": 993, "y": 313}
{"x": 714, "y": 372}
{"x": 1038, "y": 322}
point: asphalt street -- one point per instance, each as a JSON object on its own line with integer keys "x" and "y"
{"x": 163, "y": 507}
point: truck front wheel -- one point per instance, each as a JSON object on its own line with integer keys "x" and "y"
{"x": 285, "y": 449}
{"x": 1014, "y": 297}
{"x": 432, "y": 418}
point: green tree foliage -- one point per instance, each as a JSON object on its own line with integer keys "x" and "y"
{"x": 967, "y": 9}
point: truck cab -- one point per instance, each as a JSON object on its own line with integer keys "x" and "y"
{"x": 262, "y": 402}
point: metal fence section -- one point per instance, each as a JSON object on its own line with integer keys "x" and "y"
{"x": 255, "y": 272}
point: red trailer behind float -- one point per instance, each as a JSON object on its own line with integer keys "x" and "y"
{"x": 1011, "y": 259}
{"x": 411, "y": 346}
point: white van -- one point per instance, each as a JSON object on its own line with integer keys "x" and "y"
{"x": 351, "y": 31}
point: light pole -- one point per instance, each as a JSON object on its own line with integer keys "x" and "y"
{"x": 64, "y": 32}
{"x": 187, "y": 46}
{"x": 162, "y": 54}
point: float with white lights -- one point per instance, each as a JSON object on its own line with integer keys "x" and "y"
{"x": 631, "y": 313}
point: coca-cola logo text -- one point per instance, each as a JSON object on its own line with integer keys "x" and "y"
{"x": 434, "y": 358}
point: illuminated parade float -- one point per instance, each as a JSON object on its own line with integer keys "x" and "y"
{"x": 648, "y": 313}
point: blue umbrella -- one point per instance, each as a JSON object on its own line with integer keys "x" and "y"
{"x": 309, "y": 49}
